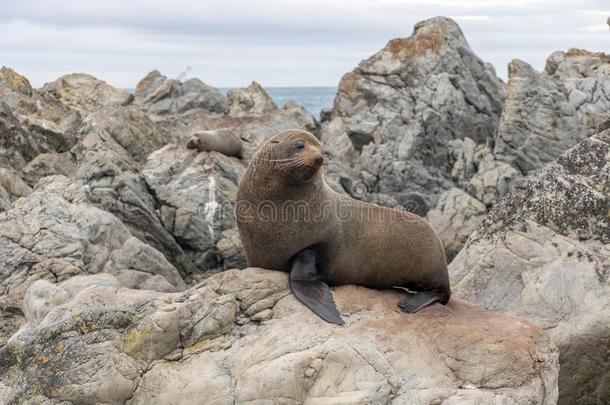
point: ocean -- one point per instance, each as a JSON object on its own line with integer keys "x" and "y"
{"x": 312, "y": 98}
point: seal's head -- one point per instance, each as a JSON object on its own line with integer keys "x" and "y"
{"x": 295, "y": 155}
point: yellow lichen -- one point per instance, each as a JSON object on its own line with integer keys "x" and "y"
{"x": 135, "y": 341}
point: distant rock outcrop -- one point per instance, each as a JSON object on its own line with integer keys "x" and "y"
{"x": 547, "y": 113}
{"x": 241, "y": 337}
{"x": 164, "y": 95}
{"x": 252, "y": 100}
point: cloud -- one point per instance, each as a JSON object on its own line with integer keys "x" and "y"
{"x": 279, "y": 43}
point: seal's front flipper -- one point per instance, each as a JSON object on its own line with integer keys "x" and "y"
{"x": 307, "y": 285}
{"x": 421, "y": 300}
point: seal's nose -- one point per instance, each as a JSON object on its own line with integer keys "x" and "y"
{"x": 319, "y": 160}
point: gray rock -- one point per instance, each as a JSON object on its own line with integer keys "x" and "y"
{"x": 401, "y": 108}
{"x": 493, "y": 179}
{"x": 5, "y": 200}
{"x": 48, "y": 164}
{"x": 85, "y": 93}
{"x": 325, "y": 115}
{"x": 241, "y": 337}
{"x": 16, "y": 145}
{"x": 250, "y": 101}
{"x": 543, "y": 253}
{"x": 13, "y": 184}
{"x": 163, "y": 95}
{"x": 547, "y": 113}
{"x": 455, "y": 218}
{"x": 44, "y": 236}
{"x": 15, "y": 89}
{"x": 196, "y": 195}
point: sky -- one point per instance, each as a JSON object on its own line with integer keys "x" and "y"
{"x": 229, "y": 43}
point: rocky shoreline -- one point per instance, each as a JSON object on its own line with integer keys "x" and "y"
{"x": 118, "y": 245}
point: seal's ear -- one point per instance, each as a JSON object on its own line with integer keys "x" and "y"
{"x": 274, "y": 141}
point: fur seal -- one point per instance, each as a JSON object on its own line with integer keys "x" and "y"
{"x": 289, "y": 219}
{"x": 224, "y": 141}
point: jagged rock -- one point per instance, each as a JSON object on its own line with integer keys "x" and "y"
{"x": 46, "y": 237}
{"x": 48, "y": 164}
{"x": 547, "y": 113}
{"x": 241, "y": 337}
{"x": 455, "y": 218}
{"x": 196, "y": 195}
{"x": 85, "y": 93}
{"x": 543, "y": 253}
{"x": 5, "y": 200}
{"x": 15, "y": 89}
{"x": 493, "y": 179}
{"x": 132, "y": 129}
{"x": 325, "y": 115}
{"x": 250, "y": 101}
{"x": 16, "y": 146}
{"x": 231, "y": 250}
{"x": 13, "y": 184}
{"x": 402, "y": 107}
{"x": 163, "y": 95}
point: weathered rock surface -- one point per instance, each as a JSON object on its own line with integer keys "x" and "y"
{"x": 196, "y": 195}
{"x": 401, "y": 107}
{"x": 455, "y": 218}
{"x": 241, "y": 337}
{"x": 252, "y": 100}
{"x": 547, "y": 113}
{"x": 44, "y": 236}
{"x": 544, "y": 254}
{"x": 164, "y": 95}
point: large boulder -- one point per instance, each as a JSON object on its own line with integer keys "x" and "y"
{"x": 549, "y": 112}
{"x": 44, "y": 236}
{"x": 163, "y": 95}
{"x": 241, "y": 337}
{"x": 401, "y": 108}
{"x": 195, "y": 194}
{"x": 84, "y": 92}
{"x": 543, "y": 253}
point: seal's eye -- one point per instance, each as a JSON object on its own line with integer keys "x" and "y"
{"x": 299, "y": 145}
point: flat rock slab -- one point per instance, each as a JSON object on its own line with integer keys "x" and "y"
{"x": 242, "y": 337}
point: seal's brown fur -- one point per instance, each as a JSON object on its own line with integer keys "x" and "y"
{"x": 282, "y": 210}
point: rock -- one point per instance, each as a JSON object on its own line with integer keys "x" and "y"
{"x": 231, "y": 251}
{"x": 84, "y": 92}
{"x": 456, "y": 216}
{"x": 547, "y": 113}
{"x": 16, "y": 146}
{"x": 543, "y": 253}
{"x": 5, "y": 200}
{"x": 196, "y": 196}
{"x": 250, "y": 101}
{"x": 48, "y": 164}
{"x": 44, "y": 236}
{"x": 493, "y": 179}
{"x": 15, "y": 89}
{"x": 241, "y": 337}
{"x": 325, "y": 115}
{"x": 13, "y": 184}
{"x": 163, "y": 95}
{"x": 401, "y": 108}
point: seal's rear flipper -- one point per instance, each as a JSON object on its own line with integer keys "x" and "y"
{"x": 422, "y": 300}
{"x": 307, "y": 286}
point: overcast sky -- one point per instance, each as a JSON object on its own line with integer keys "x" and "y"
{"x": 228, "y": 43}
